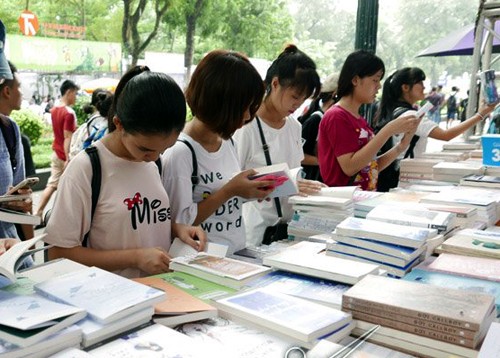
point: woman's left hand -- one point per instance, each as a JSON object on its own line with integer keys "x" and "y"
{"x": 194, "y": 236}
{"x": 309, "y": 187}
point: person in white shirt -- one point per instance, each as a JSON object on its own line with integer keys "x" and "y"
{"x": 224, "y": 92}
{"x": 131, "y": 230}
{"x": 290, "y": 80}
{"x": 401, "y": 92}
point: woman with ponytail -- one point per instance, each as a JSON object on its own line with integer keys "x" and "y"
{"x": 131, "y": 229}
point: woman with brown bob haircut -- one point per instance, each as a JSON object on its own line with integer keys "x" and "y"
{"x": 202, "y": 173}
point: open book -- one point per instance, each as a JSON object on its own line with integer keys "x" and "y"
{"x": 12, "y": 259}
{"x": 284, "y": 178}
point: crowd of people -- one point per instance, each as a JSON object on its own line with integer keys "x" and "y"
{"x": 161, "y": 177}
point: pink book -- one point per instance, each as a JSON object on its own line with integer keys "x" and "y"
{"x": 469, "y": 266}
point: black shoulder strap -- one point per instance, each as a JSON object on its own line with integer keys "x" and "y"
{"x": 95, "y": 184}
{"x": 194, "y": 176}
{"x": 265, "y": 147}
{"x": 158, "y": 164}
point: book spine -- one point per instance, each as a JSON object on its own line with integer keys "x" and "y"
{"x": 440, "y": 336}
{"x": 350, "y": 303}
{"x": 360, "y": 311}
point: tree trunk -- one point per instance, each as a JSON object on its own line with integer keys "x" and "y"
{"x": 190, "y": 33}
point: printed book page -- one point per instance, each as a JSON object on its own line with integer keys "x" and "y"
{"x": 179, "y": 248}
{"x": 222, "y": 266}
{"x": 93, "y": 289}
{"x": 12, "y": 258}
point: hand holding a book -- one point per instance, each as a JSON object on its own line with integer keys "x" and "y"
{"x": 485, "y": 109}
{"x": 6, "y": 244}
{"x": 403, "y": 124}
{"x": 244, "y": 186}
{"x": 194, "y": 236}
{"x": 25, "y": 205}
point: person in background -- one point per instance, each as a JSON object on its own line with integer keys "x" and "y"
{"x": 347, "y": 146}
{"x": 310, "y": 125}
{"x": 451, "y": 107}
{"x": 290, "y": 79}
{"x": 437, "y": 99}
{"x": 63, "y": 125}
{"x": 224, "y": 92}
{"x": 402, "y": 91}
{"x": 131, "y": 229}
{"x": 12, "y": 166}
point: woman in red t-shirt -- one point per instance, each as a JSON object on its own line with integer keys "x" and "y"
{"x": 347, "y": 146}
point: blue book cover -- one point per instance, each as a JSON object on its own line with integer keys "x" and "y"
{"x": 404, "y": 252}
{"x": 457, "y": 282}
{"x": 306, "y": 287}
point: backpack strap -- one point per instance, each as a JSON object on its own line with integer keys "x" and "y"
{"x": 194, "y": 176}
{"x": 95, "y": 184}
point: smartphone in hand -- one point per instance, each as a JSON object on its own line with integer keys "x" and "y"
{"x": 25, "y": 184}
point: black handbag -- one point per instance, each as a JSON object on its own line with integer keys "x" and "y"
{"x": 278, "y": 231}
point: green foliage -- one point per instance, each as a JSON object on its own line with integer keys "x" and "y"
{"x": 29, "y": 123}
{"x": 42, "y": 152}
{"x": 81, "y": 101}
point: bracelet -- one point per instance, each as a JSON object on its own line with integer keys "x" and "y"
{"x": 482, "y": 116}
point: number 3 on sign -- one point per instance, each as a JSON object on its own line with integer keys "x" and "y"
{"x": 496, "y": 155}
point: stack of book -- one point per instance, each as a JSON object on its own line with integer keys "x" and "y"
{"x": 113, "y": 303}
{"x": 402, "y": 197}
{"x": 463, "y": 272}
{"x": 460, "y": 146}
{"x": 448, "y": 156}
{"x": 482, "y": 181}
{"x": 222, "y": 270}
{"x": 485, "y": 201}
{"x": 470, "y": 242}
{"x": 296, "y": 320}
{"x": 309, "y": 258}
{"x": 454, "y": 171}
{"x": 395, "y": 248}
{"x": 454, "y": 316}
{"x": 414, "y": 215}
{"x": 320, "y": 214}
{"x": 416, "y": 169}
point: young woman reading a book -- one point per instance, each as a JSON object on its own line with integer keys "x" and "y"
{"x": 400, "y": 95}
{"x": 224, "y": 92}
{"x": 291, "y": 79}
{"x": 131, "y": 229}
{"x": 347, "y": 146}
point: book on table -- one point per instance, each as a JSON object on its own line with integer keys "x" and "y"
{"x": 480, "y": 243}
{"x": 28, "y": 319}
{"x": 285, "y": 179}
{"x": 390, "y": 233}
{"x": 448, "y": 280}
{"x": 180, "y": 248}
{"x": 178, "y": 306}
{"x": 299, "y": 319}
{"x": 13, "y": 259}
{"x": 222, "y": 270}
{"x": 65, "y": 338}
{"x": 438, "y": 311}
{"x": 93, "y": 289}
{"x": 17, "y": 217}
{"x": 482, "y": 268}
{"x": 153, "y": 341}
{"x": 491, "y": 345}
{"x": 404, "y": 252}
{"x": 94, "y": 332}
{"x": 485, "y": 181}
{"x": 417, "y": 217}
{"x": 309, "y": 258}
{"x": 314, "y": 289}
{"x": 415, "y": 344}
{"x": 198, "y": 287}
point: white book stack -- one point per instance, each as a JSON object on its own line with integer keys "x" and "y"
{"x": 321, "y": 213}
{"x": 113, "y": 303}
{"x": 296, "y": 319}
{"x": 400, "y": 197}
{"x": 448, "y": 156}
{"x": 454, "y": 171}
{"x": 395, "y": 248}
{"x": 485, "y": 201}
{"x": 416, "y": 169}
{"x": 461, "y": 146}
{"x": 416, "y": 216}
{"x": 481, "y": 181}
